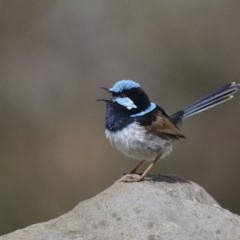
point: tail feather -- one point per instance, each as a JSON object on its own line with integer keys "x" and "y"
{"x": 219, "y": 96}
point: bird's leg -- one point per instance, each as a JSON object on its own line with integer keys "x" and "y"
{"x": 136, "y": 168}
{"x": 148, "y": 169}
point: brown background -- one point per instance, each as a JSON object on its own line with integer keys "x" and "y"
{"x": 54, "y": 56}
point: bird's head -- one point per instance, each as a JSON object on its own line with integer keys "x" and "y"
{"x": 128, "y": 96}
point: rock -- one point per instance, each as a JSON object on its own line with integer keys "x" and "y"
{"x": 166, "y": 207}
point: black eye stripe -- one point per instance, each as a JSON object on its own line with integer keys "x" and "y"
{"x": 121, "y": 94}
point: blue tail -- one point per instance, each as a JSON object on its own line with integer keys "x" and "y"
{"x": 219, "y": 96}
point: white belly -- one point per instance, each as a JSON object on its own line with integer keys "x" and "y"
{"x": 134, "y": 142}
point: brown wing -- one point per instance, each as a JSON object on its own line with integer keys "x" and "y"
{"x": 163, "y": 127}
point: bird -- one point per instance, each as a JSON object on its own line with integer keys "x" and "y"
{"x": 142, "y": 130}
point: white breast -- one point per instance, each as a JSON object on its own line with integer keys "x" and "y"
{"x": 136, "y": 143}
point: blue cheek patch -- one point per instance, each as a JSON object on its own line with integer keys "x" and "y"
{"x": 149, "y": 109}
{"x": 126, "y": 102}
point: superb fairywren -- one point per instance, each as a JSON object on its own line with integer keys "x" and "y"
{"x": 141, "y": 129}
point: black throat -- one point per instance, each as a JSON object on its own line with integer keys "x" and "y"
{"x": 117, "y": 117}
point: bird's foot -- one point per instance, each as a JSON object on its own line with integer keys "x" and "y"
{"x": 131, "y": 177}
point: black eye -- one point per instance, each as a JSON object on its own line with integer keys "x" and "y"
{"x": 119, "y": 94}
{"x": 122, "y": 95}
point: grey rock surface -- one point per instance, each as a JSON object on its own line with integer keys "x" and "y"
{"x": 164, "y": 208}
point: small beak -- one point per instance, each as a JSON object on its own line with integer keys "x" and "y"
{"x": 106, "y": 89}
{"x": 103, "y": 99}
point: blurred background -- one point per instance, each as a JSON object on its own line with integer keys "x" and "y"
{"x": 54, "y": 56}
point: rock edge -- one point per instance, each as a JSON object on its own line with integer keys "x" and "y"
{"x": 164, "y": 207}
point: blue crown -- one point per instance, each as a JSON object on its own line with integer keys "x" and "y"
{"x": 121, "y": 85}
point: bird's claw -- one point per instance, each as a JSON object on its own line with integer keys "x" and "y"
{"x": 130, "y": 178}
